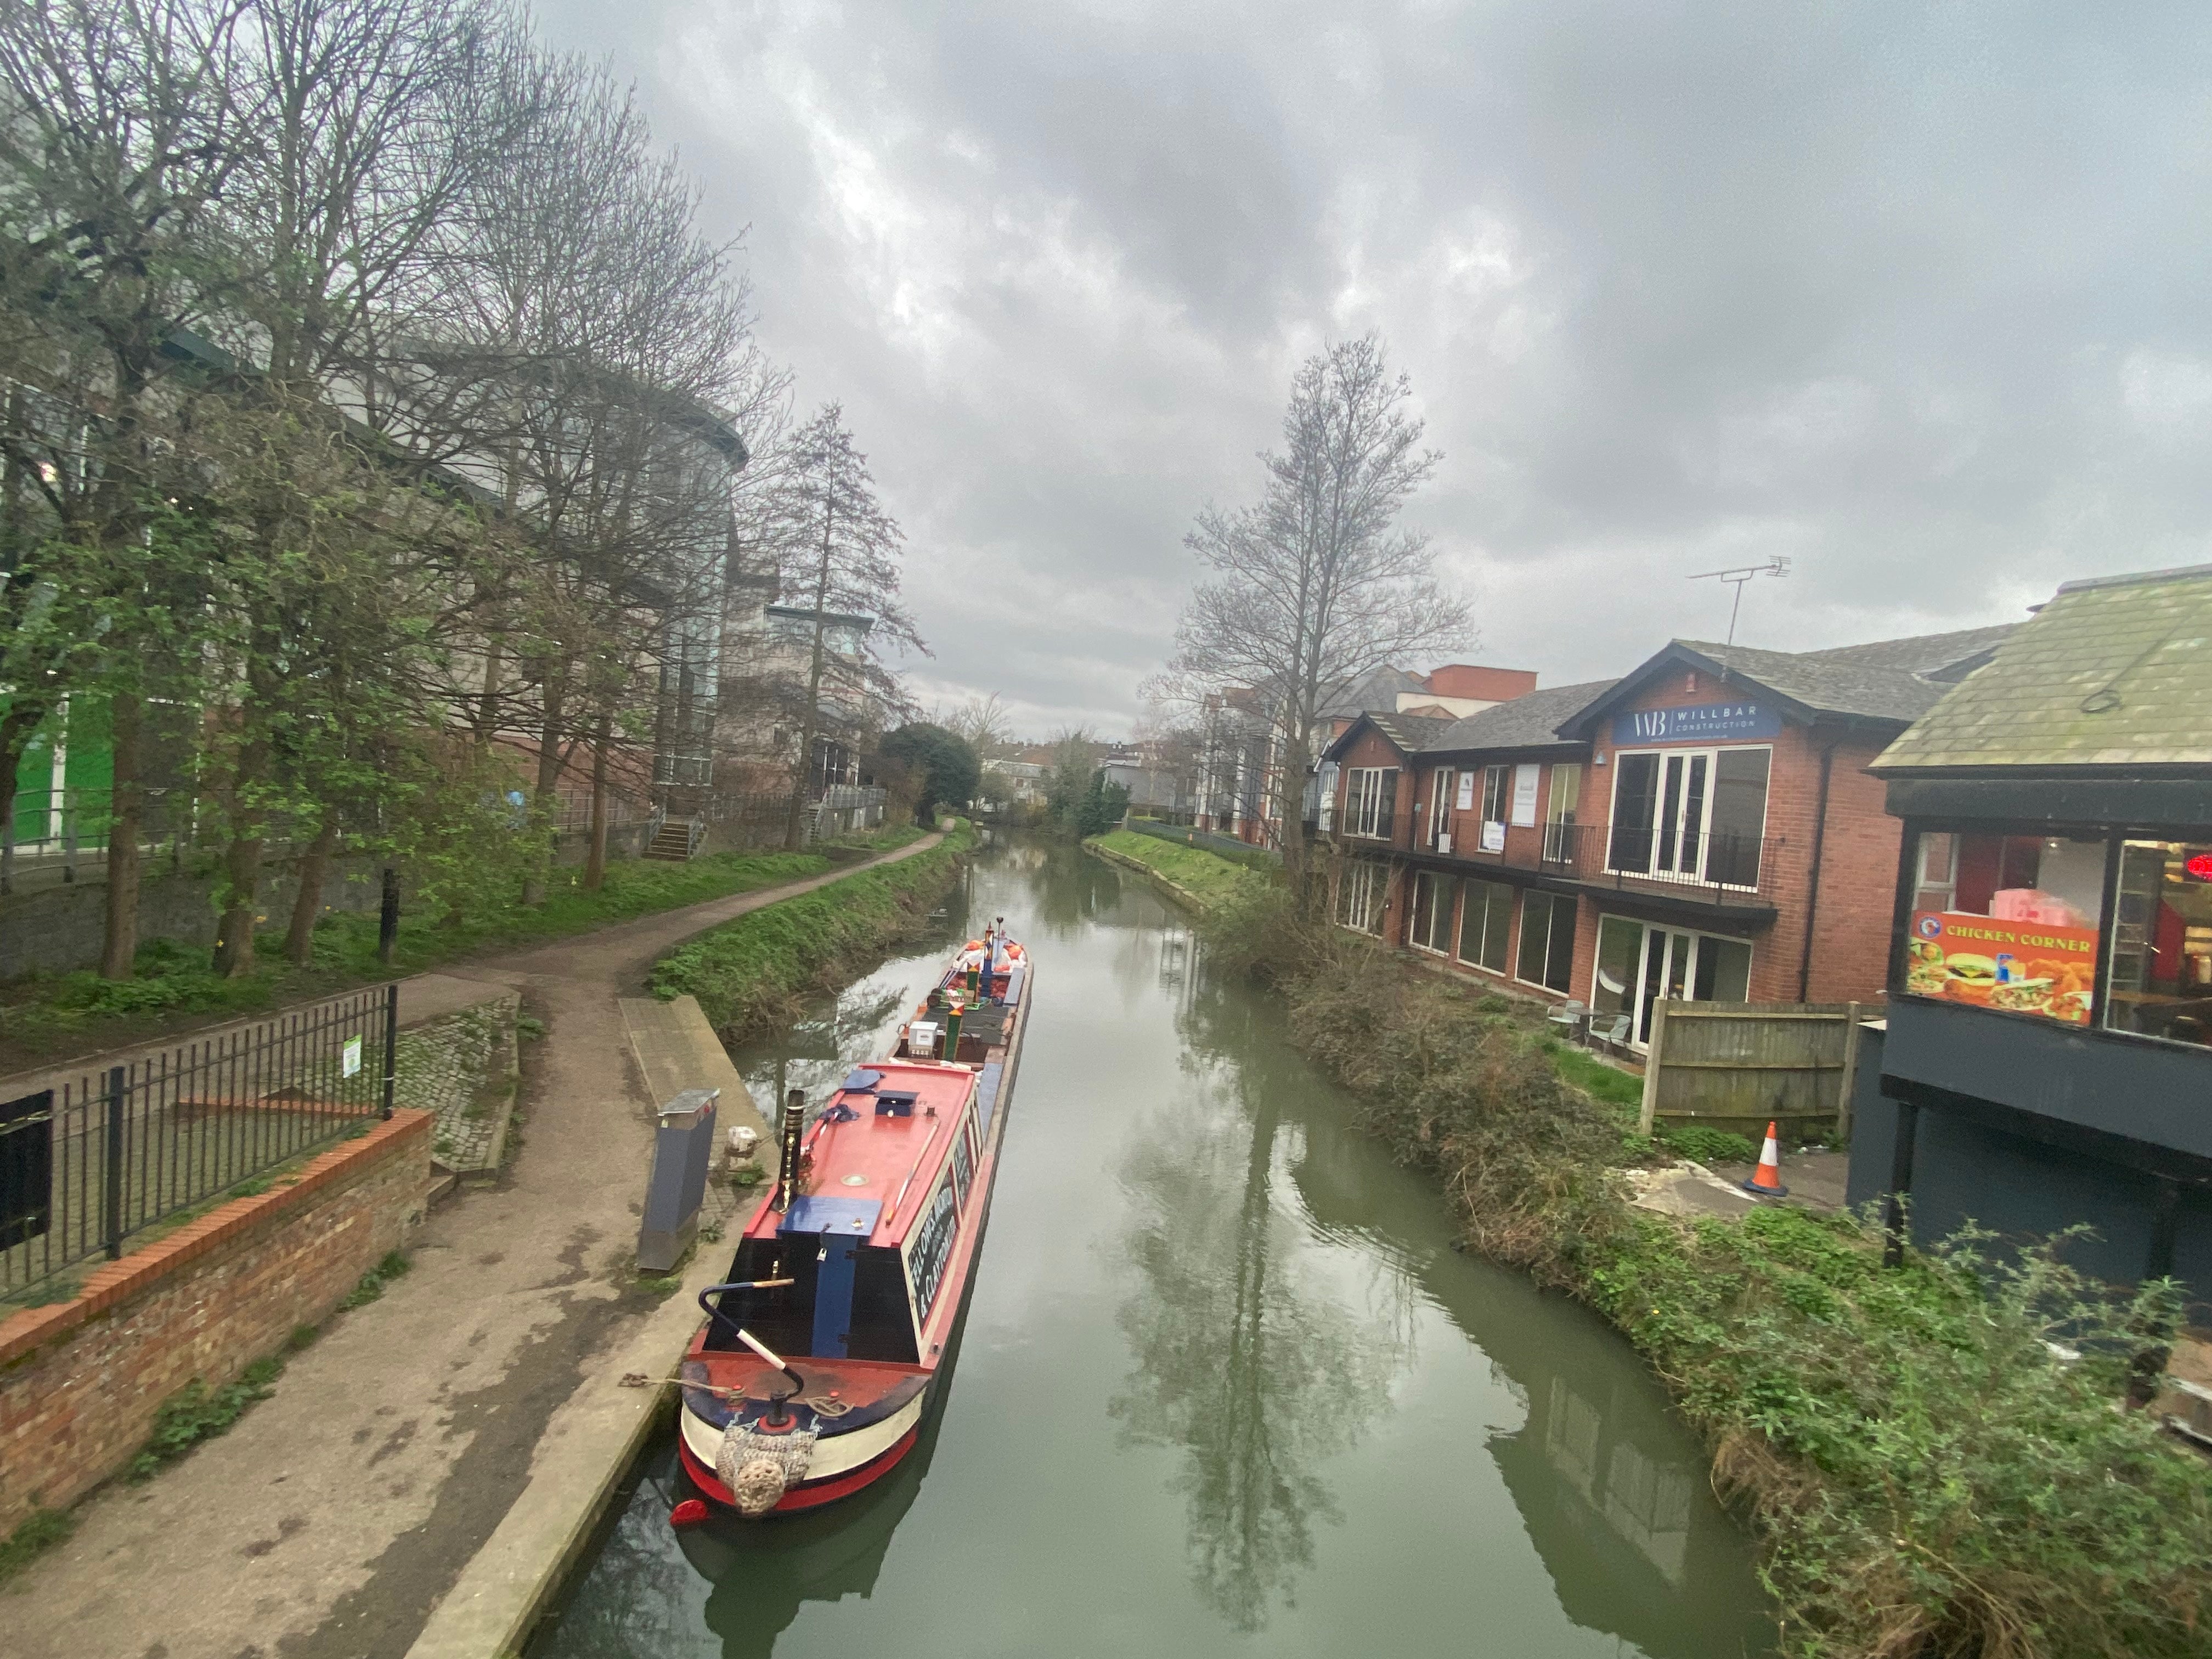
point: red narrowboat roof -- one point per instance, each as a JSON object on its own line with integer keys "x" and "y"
{"x": 895, "y": 1154}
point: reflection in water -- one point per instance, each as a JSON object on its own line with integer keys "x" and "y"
{"x": 1245, "y": 1365}
{"x": 1201, "y": 1285}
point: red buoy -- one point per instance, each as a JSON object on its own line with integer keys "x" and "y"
{"x": 688, "y": 1513}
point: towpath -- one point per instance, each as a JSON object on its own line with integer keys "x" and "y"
{"x": 329, "y": 1521}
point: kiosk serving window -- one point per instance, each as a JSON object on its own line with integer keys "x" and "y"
{"x": 2010, "y": 922}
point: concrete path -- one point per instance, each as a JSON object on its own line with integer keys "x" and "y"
{"x": 332, "y": 1519}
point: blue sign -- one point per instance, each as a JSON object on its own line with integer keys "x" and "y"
{"x": 1710, "y": 722}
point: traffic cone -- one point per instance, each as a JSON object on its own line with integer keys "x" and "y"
{"x": 1766, "y": 1180}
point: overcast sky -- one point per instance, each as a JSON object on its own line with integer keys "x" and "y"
{"x": 1914, "y": 297}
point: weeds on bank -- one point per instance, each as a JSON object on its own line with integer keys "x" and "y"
{"x": 1936, "y": 1456}
{"x": 197, "y": 1413}
{"x": 758, "y": 969}
{"x": 1207, "y": 878}
{"x": 394, "y": 1266}
{"x": 37, "y": 1533}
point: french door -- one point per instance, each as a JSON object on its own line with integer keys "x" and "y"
{"x": 1638, "y": 965}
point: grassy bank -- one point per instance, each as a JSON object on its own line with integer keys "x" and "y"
{"x": 44, "y": 1017}
{"x": 1935, "y": 1459}
{"x": 760, "y": 968}
{"x": 1210, "y": 881}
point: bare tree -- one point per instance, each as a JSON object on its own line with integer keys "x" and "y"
{"x": 841, "y": 553}
{"x": 1316, "y": 583}
{"x": 982, "y": 723}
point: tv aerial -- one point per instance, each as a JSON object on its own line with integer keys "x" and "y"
{"x": 1736, "y": 578}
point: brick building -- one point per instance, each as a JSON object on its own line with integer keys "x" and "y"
{"x": 1703, "y": 827}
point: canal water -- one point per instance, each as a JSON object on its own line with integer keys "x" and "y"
{"x": 1224, "y": 1386}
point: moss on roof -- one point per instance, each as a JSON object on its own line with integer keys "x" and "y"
{"x": 2115, "y": 671}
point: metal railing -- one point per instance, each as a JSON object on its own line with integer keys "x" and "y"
{"x": 1727, "y": 867}
{"x": 1228, "y": 847}
{"x": 62, "y": 834}
{"x": 90, "y": 1161}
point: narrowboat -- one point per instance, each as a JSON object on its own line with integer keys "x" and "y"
{"x": 820, "y": 1354}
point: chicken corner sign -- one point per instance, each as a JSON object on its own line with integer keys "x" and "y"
{"x": 1708, "y": 722}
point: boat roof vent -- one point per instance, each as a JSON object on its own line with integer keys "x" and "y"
{"x": 896, "y": 1102}
{"x": 861, "y": 1080}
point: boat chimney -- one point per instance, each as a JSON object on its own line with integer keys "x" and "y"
{"x": 792, "y": 1126}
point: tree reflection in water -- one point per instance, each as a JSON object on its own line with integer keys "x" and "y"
{"x": 1245, "y": 1363}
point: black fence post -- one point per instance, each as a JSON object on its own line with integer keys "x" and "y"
{"x": 390, "y": 1043}
{"x": 111, "y": 1219}
{"x": 387, "y": 915}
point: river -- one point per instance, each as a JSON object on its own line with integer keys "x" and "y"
{"x": 1224, "y": 1385}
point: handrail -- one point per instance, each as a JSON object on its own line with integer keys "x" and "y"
{"x": 712, "y": 1309}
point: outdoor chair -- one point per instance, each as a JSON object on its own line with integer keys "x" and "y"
{"x": 1614, "y": 1034}
{"x": 1568, "y": 1017}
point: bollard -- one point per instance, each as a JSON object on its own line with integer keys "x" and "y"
{"x": 952, "y": 1029}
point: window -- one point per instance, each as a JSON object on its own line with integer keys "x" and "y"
{"x": 1486, "y": 917}
{"x": 1497, "y": 801}
{"x": 1560, "y": 814}
{"x": 1370, "y": 797}
{"x": 1431, "y": 927}
{"x": 1547, "y": 940}
{"x": 2160, "y": 979}
{"x": 1325, "y": 818}
{"x": 1638, "y": 965}
{"x": 1692, "y": 815}
{"x": 2011, "y": 922}
{"x": 1440, "y": 784}
{"x": 1359, "y": 896}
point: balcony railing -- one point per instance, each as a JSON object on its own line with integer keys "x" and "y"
{"x": 1728, "y": 867}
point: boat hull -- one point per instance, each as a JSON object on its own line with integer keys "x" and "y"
{"x": 808, "y": 1494}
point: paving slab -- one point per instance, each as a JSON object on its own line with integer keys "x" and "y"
{"x": 676, "y": 1049}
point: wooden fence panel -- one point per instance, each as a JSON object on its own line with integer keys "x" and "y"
{"x": 1735, "y": 1063}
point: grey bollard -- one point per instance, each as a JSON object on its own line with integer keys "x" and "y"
{"x": 683, "y": 1147}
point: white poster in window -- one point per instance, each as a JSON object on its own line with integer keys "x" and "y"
{"x": 1493, "y": 837}
{"x": 1467, "y": 792}
{"x": 1524, "y": 796}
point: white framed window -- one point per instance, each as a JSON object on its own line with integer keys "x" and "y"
{"x": 1547, "y": 956}
{"x": 1431, "y": 927}
{"x": 1325, "y": 815}
{"x": 1693, "y": 815}
{"x": 1486, "y": 921}
{"x": 1359, "y": 895}
{"x": 1440, "y": 805}
{"x": 1371, "y": 796}
{"x": 1560, "y": 803}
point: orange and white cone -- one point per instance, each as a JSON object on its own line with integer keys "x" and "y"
{"x": 1766, "y": 1180}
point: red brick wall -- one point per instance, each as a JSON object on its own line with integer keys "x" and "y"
{"x": 81, "y": 1380}
{"x": 1851, "y": 945}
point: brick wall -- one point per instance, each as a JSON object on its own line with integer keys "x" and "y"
{"x": 81, "y": 1380}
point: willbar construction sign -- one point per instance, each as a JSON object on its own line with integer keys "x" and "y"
{"x": 1709, "y": 722}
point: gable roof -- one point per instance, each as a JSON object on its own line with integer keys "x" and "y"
{"x": 1410, "y": 733}
{"x": 1891, "y": 681}
{"x": 2116, "y": 670}
{"x": 1530, "y": 721}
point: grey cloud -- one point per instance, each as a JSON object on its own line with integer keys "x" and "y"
{"x": 1918, "y": 298}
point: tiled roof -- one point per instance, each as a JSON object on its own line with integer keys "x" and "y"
{"x": 1889, "y": 679}
{"x": 1370, "y": 691}
{"x": 2115, "y": 671}
{"x": 1411, "y": 732}
{"x": 1524, "y": 722}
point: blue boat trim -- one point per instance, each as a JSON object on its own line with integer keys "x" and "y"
{"x": 986, "y": 1092}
